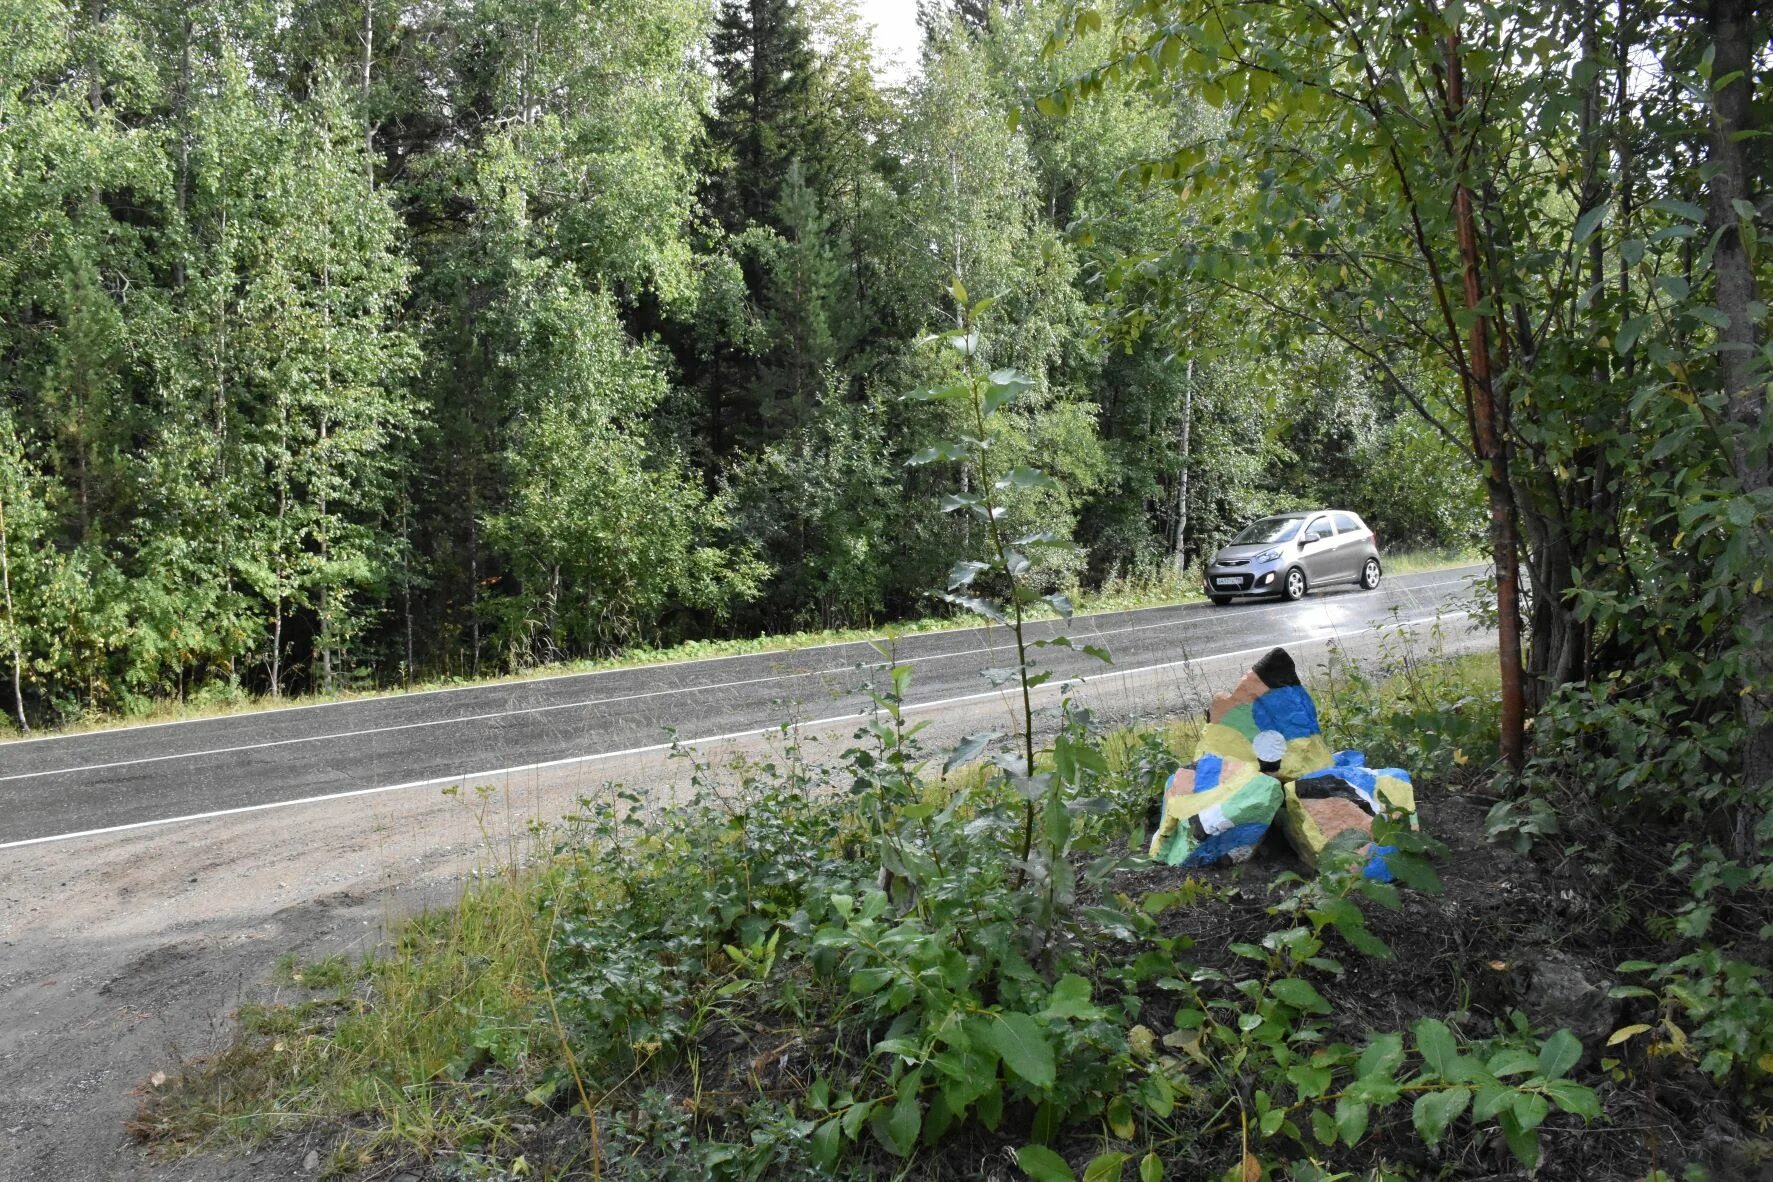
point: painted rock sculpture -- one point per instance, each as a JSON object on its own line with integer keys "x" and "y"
{"x": 1218, "y": 810}
{"x": 1268, "y": 719}
{"x": 1344, "y": 798}
{"x": 1263, "y": 749}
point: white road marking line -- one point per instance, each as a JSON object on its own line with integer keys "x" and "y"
{"x": 605, "y": 755}
{"x": 587, "y": 702}
{"x": 719, "y": 685}
{"x": 519, "y": 683}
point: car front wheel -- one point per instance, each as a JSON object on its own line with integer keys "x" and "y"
{"x": 1370, "y": 574}
{"x": 1294, "y": 587}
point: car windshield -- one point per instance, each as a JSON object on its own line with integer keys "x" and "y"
{"x": 1269, "y": 529}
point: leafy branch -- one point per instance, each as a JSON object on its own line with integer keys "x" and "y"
{"x": 980, "y": 397}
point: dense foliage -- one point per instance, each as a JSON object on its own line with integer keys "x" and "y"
{"x": 1555, "y": 209}
{"x": 1536, "y": 226}
{"x": 869, "y": 966}
{"x": 1561, "y": 209}
{"x": 350, "y": 342}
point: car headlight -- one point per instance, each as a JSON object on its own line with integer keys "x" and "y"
{"x": 1269, "y": 555}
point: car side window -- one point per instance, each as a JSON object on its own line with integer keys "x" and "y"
{"x": 1347, "y": 523}
{"x": 1320, "y": 525}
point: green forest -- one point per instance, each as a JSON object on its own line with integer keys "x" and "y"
{"x": 360, "y": 341}
{"x": 356, "y": 342}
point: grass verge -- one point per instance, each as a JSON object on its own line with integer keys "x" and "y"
{"x": 818, "y": 971}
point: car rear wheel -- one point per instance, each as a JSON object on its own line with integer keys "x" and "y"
{"x": 1370, "y": 574}
{"x": 1220, "y": 600}
{"x": 1294, "y": 587}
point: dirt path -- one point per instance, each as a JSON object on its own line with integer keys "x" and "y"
{"x": 121, "y": 955}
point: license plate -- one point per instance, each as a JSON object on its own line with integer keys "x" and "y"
{"x": 1226, "y": 582}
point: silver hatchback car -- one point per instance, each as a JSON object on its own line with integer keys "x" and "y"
{"x": 1290, "y": 553}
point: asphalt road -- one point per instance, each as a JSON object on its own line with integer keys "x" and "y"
{"x": 67, "y": 787}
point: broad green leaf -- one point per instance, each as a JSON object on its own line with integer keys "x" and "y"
{"x": 1351, "y": 1120}
{"x": 1364, "y": 941}
{"x": 1043, "y": 1165}
{"x": 1560, "y": 1053}
{"x": 1574, "y": 1098}
{"x": 1510, "y": 1062}
{"x": 947, "y": 450}
{"x": 1414, "y": 871}
{"x": 978, "y": 606}
{"x": 989, "y": 1107}
{"x": 1310, "y": 1082}
{"x": 905, "y": 1120}
{"x": 1382, "y": 1055}
{"x": 1070, "y": 999}
{"x": 1020, "y": 1043}
{"x": 1629, "y": 332}
{"x": 952, "y": 502}
{"x": 1301, "y": 995}
{"x": 827, "y": 1142}
{"x": 1378, "y": 1089}
{"x": 1434, "y": 1111}
{"x": 1589, "y": 222}
{"x": 967, "y": 1075}
{"x": 1106, "y": 1167}
{"x": 1023, "y": 477}
{"x": 1004, "y": 387}
{"x": 1384, "y": 893}
{"x": 964, "y": 572}
{"x": 854, "y": 1117}
{"x": 1434, "y": 1041}
{"x": 1681, "y": 209}
{"x": 1523, "y": 1143}
{"x": 967, "y": 750}
{"x": 1530, "y": 1109}
{"x": 867, "y": 981}
{"x": 954, "y": 392}
{"x": 1120, "y": 1118}
{"x": 1151, "y": 1168}
{"x": 1491, "y": 1099}
{"x": 1675, "y": 287}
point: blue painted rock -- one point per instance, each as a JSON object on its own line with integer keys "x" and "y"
{"x": 1342, "y": 798}
{"x": 1268, "y": 719}
{"x": 1216, "y": 811}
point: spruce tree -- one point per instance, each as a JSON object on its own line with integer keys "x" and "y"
{"x": 800, "y": 294}
{"x": 765, "y": 68}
